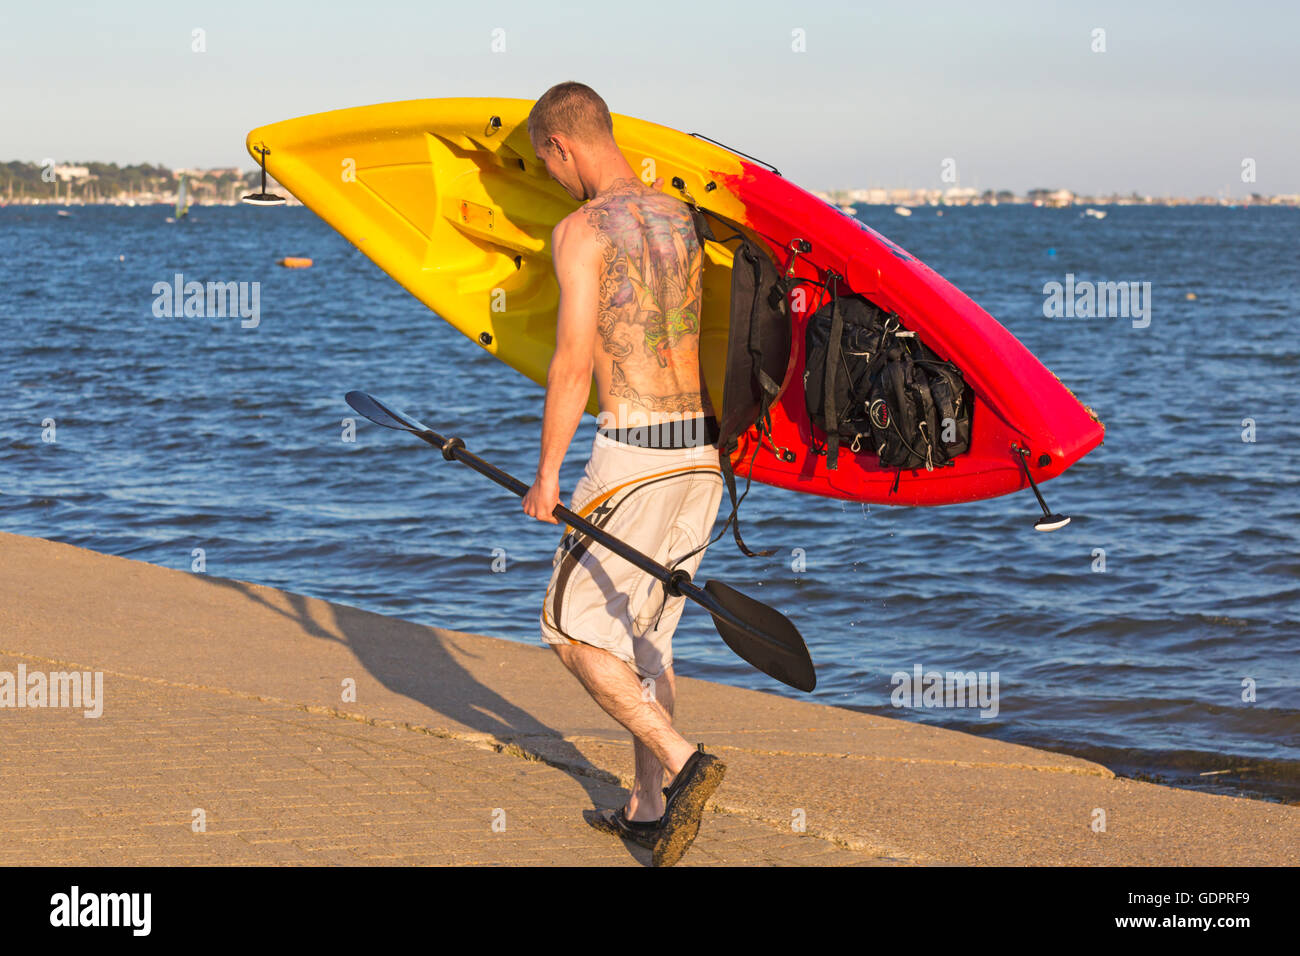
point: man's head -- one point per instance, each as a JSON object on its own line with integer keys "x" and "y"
{"x": 572, "y": 133}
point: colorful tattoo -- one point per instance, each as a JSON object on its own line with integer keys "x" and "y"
{"x": 650, "y": 295}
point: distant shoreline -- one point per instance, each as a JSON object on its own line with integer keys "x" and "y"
{"x": 144, "y": 203}
{"x": 1276, "y": 202}
{"x": 107, "y": 184}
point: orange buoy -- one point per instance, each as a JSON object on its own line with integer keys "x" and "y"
{"x": 295, "y": 262}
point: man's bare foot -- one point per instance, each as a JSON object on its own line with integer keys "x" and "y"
{"x": 677, "y": 759}
{"x": 642, "y": 806}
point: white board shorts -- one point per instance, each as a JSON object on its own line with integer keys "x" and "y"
{"x": 661, "y": 501}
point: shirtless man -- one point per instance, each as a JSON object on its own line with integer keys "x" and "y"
{"x": 629, "y": 269}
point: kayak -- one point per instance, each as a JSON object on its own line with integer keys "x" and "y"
{"x": 448, "y": 198}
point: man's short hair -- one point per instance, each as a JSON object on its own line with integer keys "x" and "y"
{"x": 574, "y": 109}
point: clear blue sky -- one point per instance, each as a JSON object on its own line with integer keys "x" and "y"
{"x": 883, "y": 94}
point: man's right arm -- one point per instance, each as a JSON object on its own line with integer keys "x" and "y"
{"x": 568, "y": 379}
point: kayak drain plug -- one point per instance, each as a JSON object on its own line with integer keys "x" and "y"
{"x": 1049, "y": 521}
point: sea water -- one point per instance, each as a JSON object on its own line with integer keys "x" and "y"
{"x": 1158, "y": 633}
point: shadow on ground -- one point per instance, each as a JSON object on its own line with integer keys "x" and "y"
{"x": 410, "y": 660}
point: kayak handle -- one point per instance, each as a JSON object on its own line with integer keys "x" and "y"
{"x": 737, "y": 152}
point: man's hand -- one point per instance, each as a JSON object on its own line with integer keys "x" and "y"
{"x": 542, "y": 498}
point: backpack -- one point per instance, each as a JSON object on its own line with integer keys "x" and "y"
{"x": 871, "y": 382}
{"x": 758, "y": 354}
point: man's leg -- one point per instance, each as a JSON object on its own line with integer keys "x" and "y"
{"x": 613, "y": 685}
{"x": 647, "y": 799}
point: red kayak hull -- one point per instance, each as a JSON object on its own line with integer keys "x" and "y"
{"x": 1019, "y": 403}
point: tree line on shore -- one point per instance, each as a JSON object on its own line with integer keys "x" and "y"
{"x": 111, "y": 181}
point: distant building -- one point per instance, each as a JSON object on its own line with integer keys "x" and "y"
{"x": 234, "y": 171}
{"x": 872, "y": 196}
{"x": 879, "y": 196}
{"x": 67, "y": 173}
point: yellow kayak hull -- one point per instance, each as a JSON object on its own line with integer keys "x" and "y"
{"x": 448, "y": 198}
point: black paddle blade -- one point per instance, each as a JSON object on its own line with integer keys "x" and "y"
{"x": 766, "y": 639}
{"x": 379, "y": 413}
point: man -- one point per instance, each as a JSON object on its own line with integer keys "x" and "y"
{"x": 629, "y": 269}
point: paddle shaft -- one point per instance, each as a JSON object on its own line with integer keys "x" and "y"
{"x": 676, "y": 581}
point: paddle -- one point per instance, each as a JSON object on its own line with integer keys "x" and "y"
{"x": 759, "y": 634}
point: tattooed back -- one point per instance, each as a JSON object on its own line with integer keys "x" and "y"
{"x": 647, "y": 359}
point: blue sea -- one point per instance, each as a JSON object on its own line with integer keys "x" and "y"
{"x": 1158, "y": 633}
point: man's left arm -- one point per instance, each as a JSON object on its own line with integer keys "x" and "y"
{"x": 568, "y": 379}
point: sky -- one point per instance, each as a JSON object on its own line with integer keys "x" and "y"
{"x": 1013, "y": 93}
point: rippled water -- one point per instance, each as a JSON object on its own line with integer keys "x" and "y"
{"x": 183, "y": 433}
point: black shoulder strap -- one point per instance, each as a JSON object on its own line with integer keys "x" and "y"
{"x": 729, "y": 476}
{"x": 764, "y": 424}
{"x": 705, "y": 232}
{"x": 833, "y": 359}
{"x": 702, "y": 230}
